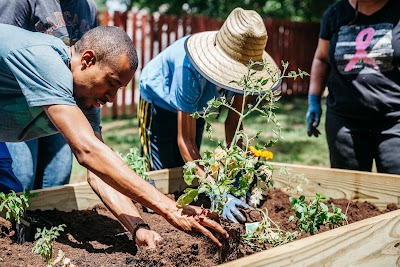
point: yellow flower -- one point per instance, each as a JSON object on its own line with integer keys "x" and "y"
{"x": 267, "y": 154}
{"x": 257, "y": 153}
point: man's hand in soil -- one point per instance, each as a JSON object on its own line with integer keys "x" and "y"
{"x": 145, "y": 237}
{"x": 191, "y": 218}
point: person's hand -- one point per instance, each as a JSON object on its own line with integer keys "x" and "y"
{"x": 314, "y": 113}
{"x": 145, "y": 237}
{"x": 193, "y": 218}
{"x": 231, "y": 211}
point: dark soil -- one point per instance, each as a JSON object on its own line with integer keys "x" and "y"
{"x": 94, "y": 238}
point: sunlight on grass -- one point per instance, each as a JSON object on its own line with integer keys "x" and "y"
{"x": 296, "y": 147}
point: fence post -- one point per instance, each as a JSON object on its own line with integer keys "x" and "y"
{"x": 133, "y": 83}
{"x": 294, "y": 42}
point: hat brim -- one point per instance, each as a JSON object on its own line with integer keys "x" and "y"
{"x": 219, "y": 68}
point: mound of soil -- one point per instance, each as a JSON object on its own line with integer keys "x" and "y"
{"x": 95, "y": 238}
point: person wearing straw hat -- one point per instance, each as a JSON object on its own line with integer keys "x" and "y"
{"x": 184, "y": 77}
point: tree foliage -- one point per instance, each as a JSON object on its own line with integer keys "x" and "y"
{"x": 299, "y": 10}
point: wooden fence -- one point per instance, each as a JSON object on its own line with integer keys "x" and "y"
{"x": 293, "y": 42}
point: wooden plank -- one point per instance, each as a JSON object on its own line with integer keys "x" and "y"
{"x": 370, "y": 242}
{"x": 377, "y": 188}
{"x": 69, "y": 197}
{"x": 169, "y": 180}
{"x": 80, "y": 196}
{"x": 132, "y": 108}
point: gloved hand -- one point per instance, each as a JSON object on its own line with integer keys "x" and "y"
{"x": 231, "y": 211}
{"x": 314, "y": 113}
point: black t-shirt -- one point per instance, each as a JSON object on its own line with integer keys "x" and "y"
{"x": 364, "y": 56}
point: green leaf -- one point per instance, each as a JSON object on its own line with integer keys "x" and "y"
{"x": 323, "y": 206}
{"x": 209, "y": 129}
{"x": 187, "y": 197}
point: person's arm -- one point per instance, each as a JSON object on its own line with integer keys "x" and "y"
{"x": 318, "y": 77}
{"x": 319, "y": 68}
{"x": 232, "y": 120}
{"x": 187, "y": 131}
{"x": 187, "y": 139}
{"x": 109, "y": 167}
{"x": 190, "y": 152}
{"x": 123, "y": 209}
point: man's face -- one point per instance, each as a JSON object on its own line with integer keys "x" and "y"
{"x": 96, "y": 84}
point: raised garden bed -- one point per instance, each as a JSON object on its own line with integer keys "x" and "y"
{"x": 94, "y": 238}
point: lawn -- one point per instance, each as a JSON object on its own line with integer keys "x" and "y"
{"x": 296, "y": 147}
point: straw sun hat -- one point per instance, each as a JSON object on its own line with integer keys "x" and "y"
{"x": 222, "y": 56}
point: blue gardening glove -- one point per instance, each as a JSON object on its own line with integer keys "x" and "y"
{"x": 231, "y": 211}
{"x": 314, "y": 113}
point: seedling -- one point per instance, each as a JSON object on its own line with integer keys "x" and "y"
{"x": 137, "y": 163}
{"x": 267, "y": 231}
{"x": 44, "y": 244}
{"x": 15, "y": 205}
{"x": 295, "y": 181}
{"x": 310, "y": 217}
{"x": 239, "y": 167}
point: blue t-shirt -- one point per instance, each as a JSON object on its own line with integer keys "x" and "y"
{"x": 34, "y": 72}
{"x": 171, "y": 82}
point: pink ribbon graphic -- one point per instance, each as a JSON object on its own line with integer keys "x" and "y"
{"x": 361, "y": 46}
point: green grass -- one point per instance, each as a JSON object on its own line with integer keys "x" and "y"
{"x": 296, "y": 147}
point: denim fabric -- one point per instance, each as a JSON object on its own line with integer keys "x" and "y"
{"x": 42, "y": 163}
{"x": 8, "y": 180}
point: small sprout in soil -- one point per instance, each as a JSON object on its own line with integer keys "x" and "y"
{"x": 44, "y": 244}
{"x": 295, "y": 181}
{"x": 310, "y": 217}
{"x": 137, "y": 163}
{"x": 15, "y": 205}
{"x": 66, "y": 262}
{"x": 267, "y": 231}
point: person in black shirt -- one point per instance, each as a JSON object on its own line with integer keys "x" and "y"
{"x": 357, "y": 58}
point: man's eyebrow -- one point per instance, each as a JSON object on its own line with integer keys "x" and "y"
{"x": 118, "y": 82}
{"x": 115, "y": 80}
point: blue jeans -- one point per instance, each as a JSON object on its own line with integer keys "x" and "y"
{"x": 8, "y": 180}
{"x": 41, "y": 163}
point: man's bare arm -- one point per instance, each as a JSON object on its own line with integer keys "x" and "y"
{"x": 109, "y": 167}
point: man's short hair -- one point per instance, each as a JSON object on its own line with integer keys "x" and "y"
{"x": 109, "y": 42}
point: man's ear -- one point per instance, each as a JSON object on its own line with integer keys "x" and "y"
{"x": 88, "y": 59}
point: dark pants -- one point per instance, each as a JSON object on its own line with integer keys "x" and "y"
{"x": 158, "y": 129}
{"x": 354, "y": 144}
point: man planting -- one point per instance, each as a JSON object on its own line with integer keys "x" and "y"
{"x": 46, "y": 87}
